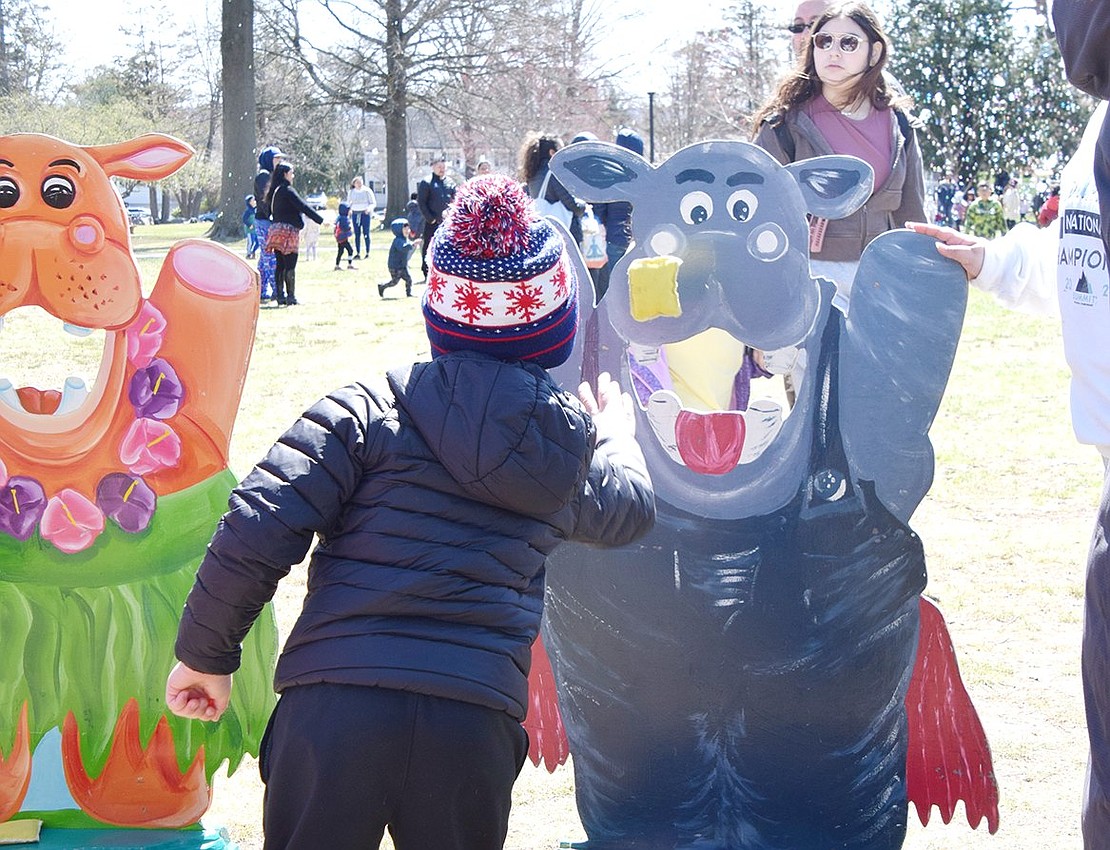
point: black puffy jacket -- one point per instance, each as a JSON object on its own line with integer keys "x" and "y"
{"x": 436, "y": 504}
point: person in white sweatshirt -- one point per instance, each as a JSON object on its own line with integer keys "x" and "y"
{"x": 1062, "y": 270}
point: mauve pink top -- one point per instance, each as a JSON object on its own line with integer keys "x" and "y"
{"x": 868, "y": 139}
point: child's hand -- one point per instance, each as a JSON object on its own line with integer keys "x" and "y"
{"x": 611, "y": 410}
{"x": 196, "y": 695}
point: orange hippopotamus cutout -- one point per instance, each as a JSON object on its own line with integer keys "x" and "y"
{"x": 109, "y": 491}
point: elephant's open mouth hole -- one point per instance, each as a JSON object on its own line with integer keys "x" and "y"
{"x": 713, "y": 402}
{"x": 48, "y": 367}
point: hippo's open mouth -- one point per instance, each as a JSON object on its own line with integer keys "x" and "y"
{"x": 714, "y": 403}
{"x": 48, "y": 367}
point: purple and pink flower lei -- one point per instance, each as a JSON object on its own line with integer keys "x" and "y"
{"x": 70, "y": 520}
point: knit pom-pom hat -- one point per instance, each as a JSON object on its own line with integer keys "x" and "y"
{"x": 500, "y": 280}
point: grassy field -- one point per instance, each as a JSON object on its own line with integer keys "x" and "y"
{"x": 1005, "y": 527}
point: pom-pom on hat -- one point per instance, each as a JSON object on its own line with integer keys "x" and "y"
{"x": 500, "y": 281}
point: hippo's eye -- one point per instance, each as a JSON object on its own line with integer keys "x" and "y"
{"x": 742, "y": 204}
{"x": 696, "y": 207}
{"x": 58, "y": 191}
{"x": 9, "y": 192}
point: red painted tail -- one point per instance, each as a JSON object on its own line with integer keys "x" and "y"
{"x": 547, "y": 737}
{"x": 949, "y": 758}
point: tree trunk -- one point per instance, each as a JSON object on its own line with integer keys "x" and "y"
{"x": 5, "y": 71}
{"x": 237, "y": 80}
{"x": 396, "y": 116}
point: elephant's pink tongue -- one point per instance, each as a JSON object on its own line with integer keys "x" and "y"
{"x": 42, "y": 402}
{"x": 710, "y": 443}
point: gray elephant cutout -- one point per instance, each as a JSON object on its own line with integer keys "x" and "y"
{"x": 737, "y": 678}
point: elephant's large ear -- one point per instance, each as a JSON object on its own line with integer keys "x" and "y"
{"x": 833, "y": 186}
{"x": 600, "y": 171}
{"x": 581, "y": 365}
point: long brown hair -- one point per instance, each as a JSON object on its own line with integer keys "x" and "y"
{"x": 802, "y": 84}
{"x": 279, "y": 178}
{"x": 535, "y": 153}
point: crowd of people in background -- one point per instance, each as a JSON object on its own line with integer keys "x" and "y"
{"x": 839, "y": 98}
{"x": 987, "y": 209}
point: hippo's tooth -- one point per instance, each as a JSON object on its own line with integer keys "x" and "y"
{"x": 75, "y": 330}
{"x": 74, "y": 394}
{"x": 9, "y": 396}
{"x": 764, "y": 421}
{"x": 643, "y": 353}
{"x": 662, "y": 412}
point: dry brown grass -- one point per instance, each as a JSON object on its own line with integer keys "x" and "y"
{"x": 1005, "y": 527}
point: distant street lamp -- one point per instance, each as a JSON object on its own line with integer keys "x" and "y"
{"x": 651, "y": 126}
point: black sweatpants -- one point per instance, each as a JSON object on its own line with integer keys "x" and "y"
{"x": 345, "y": 248}
{"x": 396, "y": 275}
{"x": 342, "y": 763}
{"x": 429, "y": 232}
{"x": 1096, "y": 678}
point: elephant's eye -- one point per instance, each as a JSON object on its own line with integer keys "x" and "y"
{"x": 58, "y": 191}
{"x": 742, "y": 204}
{"x": 696, "y": 207}
{"x": 9, "y": 192}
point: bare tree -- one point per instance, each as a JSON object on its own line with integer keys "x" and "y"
{"x": 722, "y": 77}
{"x": 547, "y": 69}
{"x": 383, "y": 56}
{"x": 29, "y": 51}
{"x": 239, "y": 118}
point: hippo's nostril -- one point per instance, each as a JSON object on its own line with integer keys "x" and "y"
{"x": 86, "y": 234}
{"x": 768, "y": 242}
{"x": 665, "y": 242}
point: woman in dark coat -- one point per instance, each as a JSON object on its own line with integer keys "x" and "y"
{"x": 286, "y": 209}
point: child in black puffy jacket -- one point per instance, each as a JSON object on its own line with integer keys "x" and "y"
{"x": 436, "y": 498}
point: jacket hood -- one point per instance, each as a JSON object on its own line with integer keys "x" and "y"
{"x": 503, "y": 431}
{"x": 344, "y": 209}
{"x": 266, "y": 157}
{"x": 398, "y": 226}
{"x": 1083, "y": 31}
{"x": 632, "y": 140}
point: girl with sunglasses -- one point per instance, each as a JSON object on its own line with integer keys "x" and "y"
{"x": 837, "y": 100}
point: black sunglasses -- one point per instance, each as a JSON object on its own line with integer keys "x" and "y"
{"x": 798, "y": 29}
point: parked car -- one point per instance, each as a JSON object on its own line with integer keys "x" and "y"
{"x": 138, "y": 215}
{"x": 317, "y": 200}
{"x": 211, "y": 215}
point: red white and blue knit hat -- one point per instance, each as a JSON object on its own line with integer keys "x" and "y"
{"x": 500, "y": 280}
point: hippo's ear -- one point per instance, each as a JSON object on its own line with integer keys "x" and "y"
{"x": 599, "y": 171}
{"x": 833, "y": 186}
{"x": 149, "y": 157}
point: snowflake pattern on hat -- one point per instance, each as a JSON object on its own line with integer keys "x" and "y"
{"x": 498, "y": 303}
{"x": 500, "y": 280}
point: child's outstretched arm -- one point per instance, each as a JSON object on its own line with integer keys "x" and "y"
{"x": 298, "y": 490}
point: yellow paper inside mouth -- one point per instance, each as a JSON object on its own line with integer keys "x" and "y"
{"x": 704, "y": 367}
{"x": 653, "y": 288}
